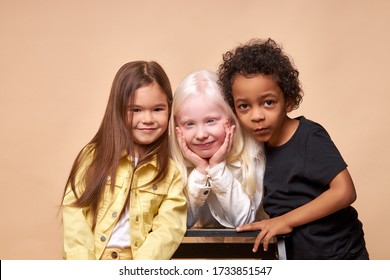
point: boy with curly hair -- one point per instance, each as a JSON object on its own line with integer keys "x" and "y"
{"x": 308, "y": 189}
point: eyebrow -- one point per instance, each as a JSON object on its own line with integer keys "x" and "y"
{"x": 154, "y": 105}
{"x": 268, "y": 94}
{"x": 161, "y": 105}
{"x": 263, "y": 96}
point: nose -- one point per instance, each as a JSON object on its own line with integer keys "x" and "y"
{"x": 201, "y": 133}
{"x": 147, "y": 118}
{"x": 257, "y": 114}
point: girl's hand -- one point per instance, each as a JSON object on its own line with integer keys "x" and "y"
{"x": 200, "y": 163}
{"x": 221, "y": 154}
{"x": 268, "y": 229}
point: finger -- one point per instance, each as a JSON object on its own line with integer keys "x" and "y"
{"x": 178, "y": 130}
{"x": 259, "y": 237}
{"x": 226, "y": 126}
{"x": 228, "y": 138}
{"x": 233, "y": 128}
{"x": 225, "y": 145}
{"x": 179, "y": 135}
{"x": 230, "y": 143}
{"x": 266, "y": 240}
{"x": 231, "y": 133}
{"x": 249, "y": 227}
{"x": 180, "y": 139}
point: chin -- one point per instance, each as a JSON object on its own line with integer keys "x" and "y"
{"x": 206, "y": 155}
{"x": 262, "y": 139}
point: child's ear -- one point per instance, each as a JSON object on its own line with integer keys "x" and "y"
{"x": 289, "y": 106}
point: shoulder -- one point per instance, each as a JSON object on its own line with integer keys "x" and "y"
{"x": 311, "y": 128}
{"x": 173, "y": 170}
{"x": 172, "y": 165}
{"x": 88, "y": 151}
{"x": 173, "y": 176}
{"x": 85, "y": 158}
{"x": 308, "y": 123}
{"x": 318, "y": 141}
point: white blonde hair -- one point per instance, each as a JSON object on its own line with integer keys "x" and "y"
{"x": 244, "y": 148}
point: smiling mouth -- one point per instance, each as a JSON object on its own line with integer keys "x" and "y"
{"x": 204, "y": 145}
{"x": 147, "y": 129}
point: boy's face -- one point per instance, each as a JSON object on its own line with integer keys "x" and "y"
{"x": 261, "y": 107}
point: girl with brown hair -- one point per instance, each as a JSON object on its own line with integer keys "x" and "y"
{"x": 123, "y": 198}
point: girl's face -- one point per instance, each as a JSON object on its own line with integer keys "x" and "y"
{"x": 202, "y": 124}
{"x": 261, "y": 108}
{"x": 148, "y": 115}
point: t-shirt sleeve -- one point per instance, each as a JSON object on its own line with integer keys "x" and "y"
{"x": 323, "y": 160}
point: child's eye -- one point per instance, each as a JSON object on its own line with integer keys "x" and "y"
{"x": 135, "y": 110}
{"x": 159, "y": 109}
{"x": 211, "y": 121}
{"x": 243, "y": 106}
{"x": 189, "y": 124}
{"x": 269, "y": 103}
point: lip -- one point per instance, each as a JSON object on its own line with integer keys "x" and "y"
{"x": 261, "y": 131}
{"x": 204, "y": 145}
{"x": 147, "y": 129}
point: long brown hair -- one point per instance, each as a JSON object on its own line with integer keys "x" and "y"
{"x": 114, "y": 137}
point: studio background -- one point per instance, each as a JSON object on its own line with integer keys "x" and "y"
{"x": 58, "y": 60}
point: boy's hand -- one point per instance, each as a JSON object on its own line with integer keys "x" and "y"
{"x": 268, "y": 229}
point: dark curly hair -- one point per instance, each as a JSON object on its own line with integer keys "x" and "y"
{"x": 260, "y": 57}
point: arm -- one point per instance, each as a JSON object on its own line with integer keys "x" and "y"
{"x": 198, "y": 185}
{"x": 229, "y": 203}
{"x": 168, "y": 226}
{"x": 78, "y": 236}
{"x": 198, "y": 190}
{"x": 340, "y": 195}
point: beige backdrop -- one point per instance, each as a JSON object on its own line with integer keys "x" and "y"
{"x": 58, "y": 59}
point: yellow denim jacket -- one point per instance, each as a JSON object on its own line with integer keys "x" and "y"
{"x": 158, "y": 215}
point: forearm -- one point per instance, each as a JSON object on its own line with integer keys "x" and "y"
{"x": 340, "y": 195}
{"x": 237, "y": 206}
{"x": 198, "y": 190}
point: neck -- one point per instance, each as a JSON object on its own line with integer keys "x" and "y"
{"x": 285, "y": 133}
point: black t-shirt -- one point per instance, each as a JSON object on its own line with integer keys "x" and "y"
{"x": 298, "y": 172}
